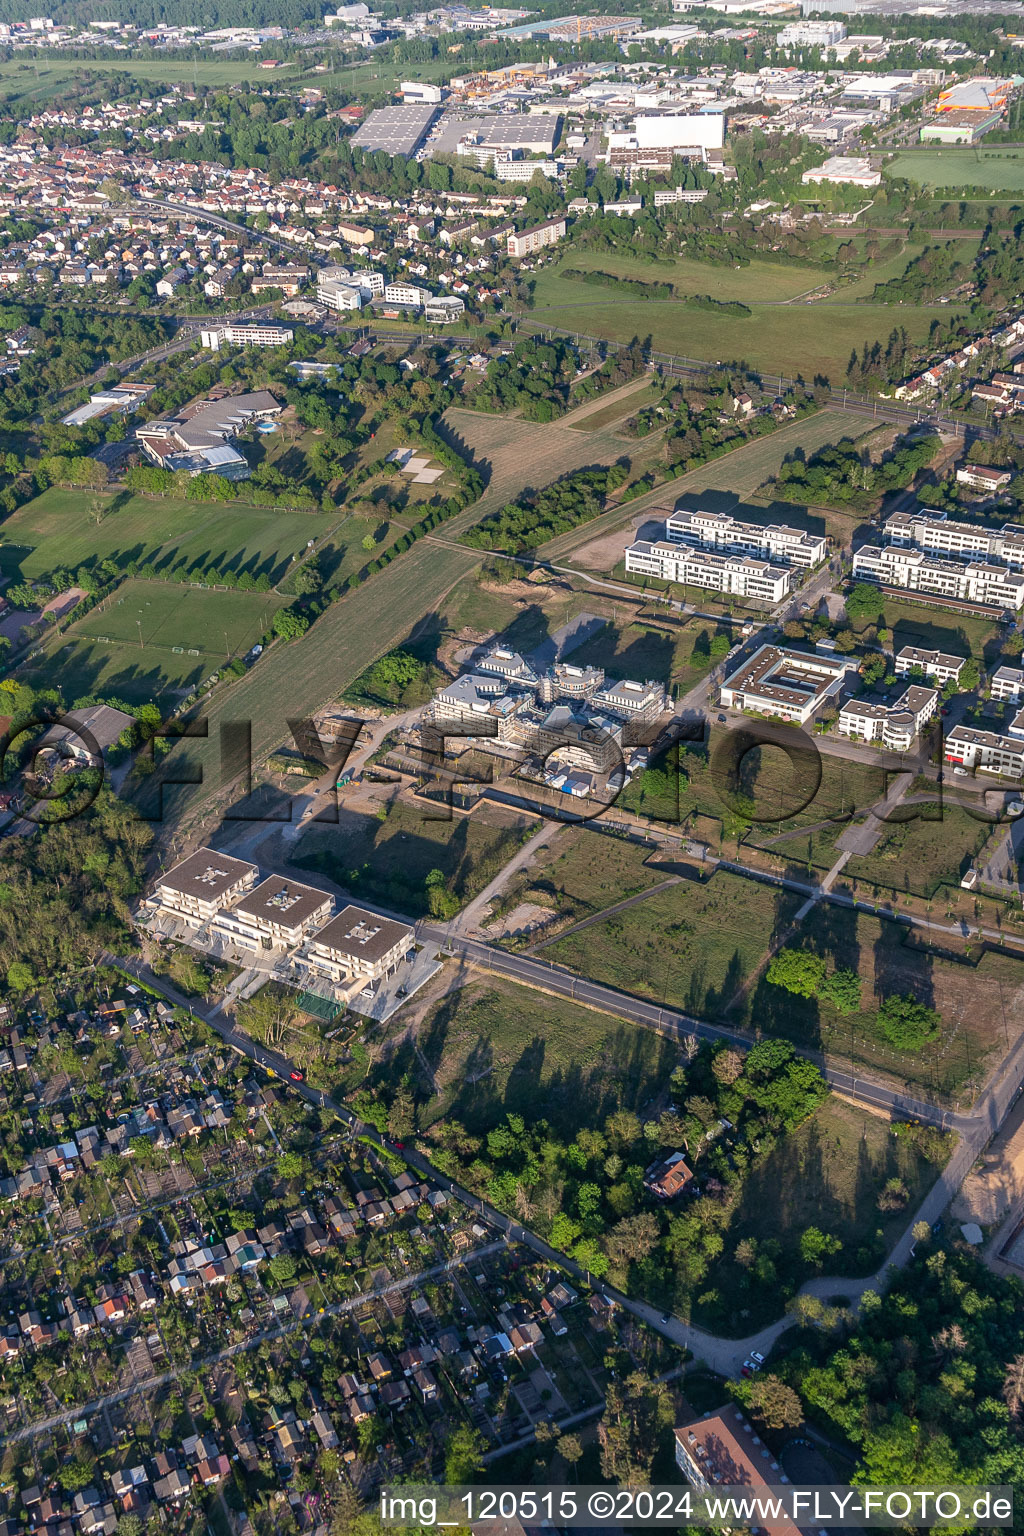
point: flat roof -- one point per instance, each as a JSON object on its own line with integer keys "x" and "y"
{"x": 277, "y": 900}
{"x": 725, "y": 1446}
{"x": 396, "y": 130}
{"x": 530, "y": 131}
{"x": 355, "y": 931}
{"x": 206, "y": 874}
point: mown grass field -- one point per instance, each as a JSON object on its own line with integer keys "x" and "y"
{"x": 994, "y": 168}
{"x": 494, "y": 1048}
{"x": 655, "y": 650}
{"x": 781, "y": 335}
{"x": 922, "y": 855}
{"x": 582, "y": 871}
{"x": 935, "y": 628}
{"x": 153, "y": 639}
{"x": 60, "y": 529}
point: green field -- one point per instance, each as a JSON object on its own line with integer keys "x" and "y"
{"x": 917, "y": 624}
{"x": 779, "y": 336}
{"x": 152, "y": 639}
{"x": 59, "y": 530}
{"x": 827, "y": 1173}
{"x": 493, "y": 1048}
{"x": 998, "y": 168}
{"x": 37, "y": 81}
{"x": 657, "y": 650}
{"x": 388, "y": 860}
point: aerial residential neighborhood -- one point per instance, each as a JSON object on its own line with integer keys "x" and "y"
{"x": 512, "y": 767}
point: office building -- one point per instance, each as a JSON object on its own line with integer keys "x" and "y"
{"x": 738, "y": 575}
{"x": 726, "y": 534}
{"x": 912, "y": 569}
{"x": 892, "y": 725}
{"x": 789, "y": 684}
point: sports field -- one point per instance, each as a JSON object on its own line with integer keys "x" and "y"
{"x": 996, "y": 168}
{"x": 60, "y": 529}
{"x": 152, "y": 639}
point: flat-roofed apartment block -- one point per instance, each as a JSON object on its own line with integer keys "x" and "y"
{"x": 786, "y": 683}
{"x": 894, "y": 725}
{"x": 912, "y": 569}
{"x": 986, "y": 750}
{"x": 592, "y": 742}
{"x": 629, "y": 700}
{"x": 937, "y": 666}
{"x": 722, "y": 1450}
{"x": 358, "y": 943}
{"x": 202, "y": 884}
{"x": 477, "y": 704}
{"x": 741, "y": 576}
{"x": 1008, "y": 684}
{"x": 535, "y": 239}
{"x": 771, "y": 541}
{"x": 278, "y": 914}
{"x": 933, "y": 531}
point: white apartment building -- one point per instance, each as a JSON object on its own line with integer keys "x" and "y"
{"x": 914, "y": 570}
{"x": 535, "y": 239}
{"x": 934, "y": 532}
{"x": 629, "y": 700}
{"x": 277, "y": 914}
{"x": 786, "y": 683}
{"x": 217, "y": 336}
{"x": 1008, "y": 683}
{"x": 769, "y": 541}
{"x": 444, "y": 310}
{"x": 477, "y": 704}
{"x": 969, "y": 748}
{"x": 200, "y": 885}
{"x": 360, "y": 944}
{"x": 937, "y": 666}
{"x": 337, "y": 295}
{"x": 893, "y": 725}
{"x": 735, "y": 574}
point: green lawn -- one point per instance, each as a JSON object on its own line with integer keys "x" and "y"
{"x": 152, "y": 639}
{"x": 493, "y": 1048}
{"x": 917, "y": 624}
{"x": 764, "y": 279}
{"x": 995, "y": 168}
{"x": 688, "y": 947}
{"x": 620, "y": 410}
{"x": 47, "y": 77}
{"x": 778, "y": 337}
{"x": 59, "y": 529}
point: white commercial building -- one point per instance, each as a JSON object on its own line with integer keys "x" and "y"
{"x": 893, "y": 725}
{"x": 812, "y": 34}
{"x": 844, "y": 170}
{"x": 916, "y": 571}
{"x": 678, "y": 130}
{"x": 418, "y": 91}
{"x": 772, "y": 541}
{"x": 786, "y": 683}
{"x": 217, "y": 336}
{"x": 337, "y": 295}
{"x": 407, "y": 294}
{"x": 738, "y": 575}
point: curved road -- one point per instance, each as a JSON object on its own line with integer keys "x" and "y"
{"x": 721, "y": 1353}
